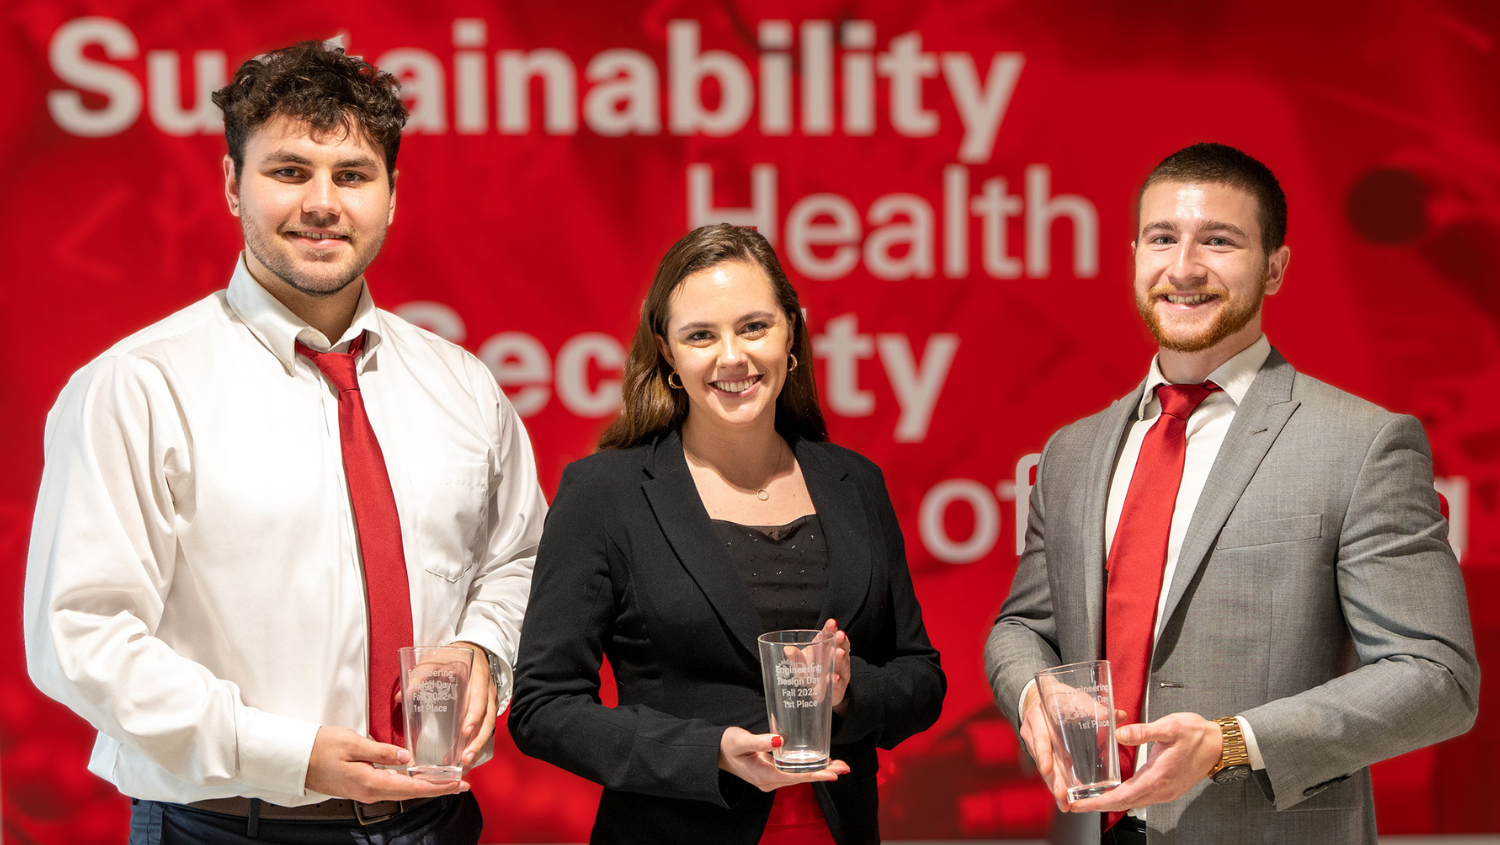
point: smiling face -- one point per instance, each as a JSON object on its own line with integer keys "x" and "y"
{"x": 314, "y": 209}
{"x": 1201, "y": 273}
{"x": 728, "y": 340}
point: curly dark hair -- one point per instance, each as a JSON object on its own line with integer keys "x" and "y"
{"x": 650, "y": 407}
{"x": 316, "y": 83}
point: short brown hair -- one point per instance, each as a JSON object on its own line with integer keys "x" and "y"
{"x": 1220, "y": 164}
{"x": 316, "y": 83}
{"x": 651, "y": 407}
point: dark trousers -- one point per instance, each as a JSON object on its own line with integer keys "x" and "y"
{"x": 450, "y": 820}
{"x": 1127, "y": 831}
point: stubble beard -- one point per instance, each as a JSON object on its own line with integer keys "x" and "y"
{"x": 1226, "y": 323}
{"x": 282, "y": 267}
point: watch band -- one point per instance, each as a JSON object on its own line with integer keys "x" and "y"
{"x": 1235, "y": 754}
{"x": 497, "y": 672}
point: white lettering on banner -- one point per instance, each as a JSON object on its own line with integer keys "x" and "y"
{"x": 560, "y": 83}
{"x": 687, "y": 69}
{"x": 817, "y": 78}
{"x": 859, "y": 80}
{"x": 573, "y": 374}
{"x": 917, "y": 384}
{"x": 906, "y": 65}
{"x": 901, "y": 220}
{"x": 823, "y": 232}
{"x": 804, "y": 232}
{"x": 421, "y": 76}
{"x": 981, "y": 108}
{"x": 982, "y": 539}
{"x": 624, "y": 98}
{"x": 985, "y": 507}
{"x": 775, "y": 78}
{"x": 167, "y": 106}
{"x": 121, "y": 92}
{"x": 762, "y": 211}
{"x": 986, "y": 520}
{"x": 520, "y": 365}
{"x": 523, "y": 369}
{"x": 621, "y": 97}
{"x": 468, "y": 75}
{"x": 585, "y": 373}
{"x": 843, "y": 347}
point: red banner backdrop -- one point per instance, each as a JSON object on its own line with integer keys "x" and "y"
{"x": 950, "y": 186}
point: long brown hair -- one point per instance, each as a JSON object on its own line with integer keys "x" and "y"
{"x": 651, "y": 407}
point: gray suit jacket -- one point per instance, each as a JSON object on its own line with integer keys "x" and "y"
{"x": 1315, "y": 595}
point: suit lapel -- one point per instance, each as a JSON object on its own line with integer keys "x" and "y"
{"x": 844, "y": 528}
{"x": 1257, "y": 423}
{"x": 685, "y": 522}
{"x": 1101, "y": 473}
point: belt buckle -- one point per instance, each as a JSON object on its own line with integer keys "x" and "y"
{"x": 365, "y": 821}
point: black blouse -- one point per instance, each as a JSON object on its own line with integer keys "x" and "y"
{"x": 785, "y": 568}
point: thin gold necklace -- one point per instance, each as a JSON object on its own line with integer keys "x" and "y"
{"x": 761, "y": 493}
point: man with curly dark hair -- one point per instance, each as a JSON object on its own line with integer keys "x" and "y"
{"x": 249, "y": 507}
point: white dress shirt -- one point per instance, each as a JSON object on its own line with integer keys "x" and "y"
{"x": 194, "y": 586}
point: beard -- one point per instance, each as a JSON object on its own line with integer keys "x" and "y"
{"x": 335, "y": 276}
{"x": 1235, "y": 315}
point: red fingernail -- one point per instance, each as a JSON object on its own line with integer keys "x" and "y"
{"x": 775, "y": 742}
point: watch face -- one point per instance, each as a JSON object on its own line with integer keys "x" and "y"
{"x": 1231, "y": 774}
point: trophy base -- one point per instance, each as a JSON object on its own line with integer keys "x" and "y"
{"x": 803, "y": 761}
{"x": 1078, "y": 793}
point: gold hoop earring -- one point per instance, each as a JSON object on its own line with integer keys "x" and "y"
{"x": 670, "y": 376}
{"x": 791, "y": 364}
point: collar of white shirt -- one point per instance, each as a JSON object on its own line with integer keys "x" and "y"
{"x": 279, "y": 330}
{"x": 1233, "y": 376}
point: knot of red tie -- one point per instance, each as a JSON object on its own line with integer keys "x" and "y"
{"x": 1180, "y": 400}
{"x": 337, "y": 367}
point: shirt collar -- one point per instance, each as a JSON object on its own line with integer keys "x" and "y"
{"x": 279, "y": 330}
{"x": 1234, "y": 376}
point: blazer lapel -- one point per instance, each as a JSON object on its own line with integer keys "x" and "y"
{"x": 685, "y": 522}
{"x": 845, "y": 529}
{"x": 1096, "y": 503}
{"x": 1257, "y": 423}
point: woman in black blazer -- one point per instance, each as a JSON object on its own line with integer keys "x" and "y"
{"x": 715, "y": 511}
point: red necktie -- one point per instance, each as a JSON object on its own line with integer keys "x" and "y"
{"x": 387, "y": 594}
{"x": 1138, "y": 554}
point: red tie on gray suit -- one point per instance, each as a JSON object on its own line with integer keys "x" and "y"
{"x": 1138, "y": 554}
{"x": 387, "y": 594}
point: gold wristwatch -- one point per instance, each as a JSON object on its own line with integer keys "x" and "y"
{"x": 1234, "y": 764}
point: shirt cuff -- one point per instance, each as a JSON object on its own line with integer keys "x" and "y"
{"x": 1021, "y": 703}
{"x": 275, "y": 751}
{"x": 1256, "y": 761}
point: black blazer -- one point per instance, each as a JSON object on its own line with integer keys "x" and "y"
{"x": 629, "y": 568}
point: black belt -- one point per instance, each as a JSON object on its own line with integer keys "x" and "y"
{"x": 1127, "y": 831}
{"x": 332, "y": 810}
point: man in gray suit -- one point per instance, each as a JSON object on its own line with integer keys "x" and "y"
{"x": 1259, "y": 555}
